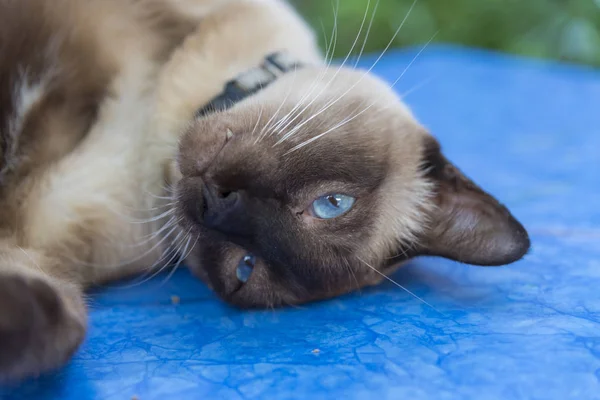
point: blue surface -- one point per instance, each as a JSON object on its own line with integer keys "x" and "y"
{"x": 527, "y": 131}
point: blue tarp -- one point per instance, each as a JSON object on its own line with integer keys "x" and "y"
{"x": 527, "y": 131}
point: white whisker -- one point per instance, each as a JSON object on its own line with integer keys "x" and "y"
{"x": 155, "y": 234}
{"x": 32, "y": 260}
{"x": 335, "y": 30}
{"x": 349, "y": 268}
{"x": 186, "y": 255}
{"x": 155, "y": 196}
{"x": 183, "y": 254}
{"x": 156, "y": 218}
{"x": 417, "y": 87}
{"x": 362, "y": 25}
{"x": 257, "y": 121}
{"x": 394, "y": 36}
{"x": 176, "y": 255}
{"x": 400, "y": 286}
{"x": 362, "y": 49}
{"x": 330, "y": 50}
{"x": 156, "y": 208}
{"x": 402, "y": 254}
{"x": 414, "y": 59}
{"x": 131, "y": 260}
{"x": 317, "y": 137}
{"x": 331, "y": 103}
{"x": 265, "y": 128}
{"x": 393, "y": 84}
{"x": 169, "y": 250}
{"x": 145, "y": 277}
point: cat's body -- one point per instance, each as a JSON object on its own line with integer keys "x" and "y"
{"x": 97, "y": 105}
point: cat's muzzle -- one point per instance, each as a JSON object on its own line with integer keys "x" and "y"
{"x": 224, "y": 211}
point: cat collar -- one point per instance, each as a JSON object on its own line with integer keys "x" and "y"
{"x": 251, "y": 82}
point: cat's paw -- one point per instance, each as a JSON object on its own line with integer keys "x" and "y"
{"x": 41, "y": 326}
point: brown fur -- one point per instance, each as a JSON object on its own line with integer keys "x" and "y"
{"x": 73, "y": 76}
{"x": 97, "y": 103}
{"x": 410, "y": 200}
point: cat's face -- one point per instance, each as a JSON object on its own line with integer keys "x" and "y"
{"x": 321, "y": 183}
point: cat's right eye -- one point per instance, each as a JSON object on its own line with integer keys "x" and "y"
{"x": 245, "y": 268}
{"x": 332, "y": 206}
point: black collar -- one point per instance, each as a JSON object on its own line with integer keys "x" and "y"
{"x": 251, "y": 82}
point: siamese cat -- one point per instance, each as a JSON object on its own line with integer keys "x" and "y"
{"x": 135, "y": 134}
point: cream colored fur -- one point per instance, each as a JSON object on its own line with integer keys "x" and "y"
{"x": 95, "y": 215}
{"x": 101, "y": 209}
{"x": 135, "y": 138}
{"x": 78, "y": 225}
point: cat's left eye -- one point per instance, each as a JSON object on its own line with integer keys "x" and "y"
{"x": 245, "y": 268}
{"x": 332, "y": 206}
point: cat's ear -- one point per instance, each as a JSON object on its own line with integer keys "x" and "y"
{"x": 467, "y": 224}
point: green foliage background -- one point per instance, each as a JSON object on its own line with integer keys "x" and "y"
{"x": 557, "y": 29}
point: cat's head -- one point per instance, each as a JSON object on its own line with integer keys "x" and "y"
{"x": 319, "y": 184}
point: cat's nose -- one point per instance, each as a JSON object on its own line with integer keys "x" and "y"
{"x": 219, "y": 205}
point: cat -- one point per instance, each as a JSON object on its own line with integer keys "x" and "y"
{"x": 139, "y": 133}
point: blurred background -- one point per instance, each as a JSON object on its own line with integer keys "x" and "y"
{"x": 567, "y": 30}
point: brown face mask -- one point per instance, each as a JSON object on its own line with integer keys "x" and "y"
{"x": 320, "y": 183}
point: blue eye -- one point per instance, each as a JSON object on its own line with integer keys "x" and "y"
{"x": 332, "y": 205}
{"x": 245, "y": 268}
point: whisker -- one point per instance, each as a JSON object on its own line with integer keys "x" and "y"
{"x": 417, "y": 87}
{"x": 362, "y": 49}
{"x": 156, "y": 218}
{"x": 362, "y": 25}
{"x": 153, "y": 235}
{"x": 257, "y": 121}
{"x": 350, "y": 119}
{"x": 329, "y": 55}
{"x": 415, "y": 58}
{"x": 331, "y": 103}
{"x": 349, "y": 268}
{"x": 146, "y": 277}
{"x": 265, "y": 129}
{"x": 145, "y": 253}
{"x": 188, "y": 252}
{"x": 155, "y": 196}
{"x": 335, "y": 30}
{"x": 165, "y": 254}
{"x": 400, "y": 286}
{"x": 394, "y": 36}
{"x": 141, "y": 221}
{"x": 289, "y": 118}
{"x": 175, "y": 266}
{"x": 32, "y": 260}
{"x": 317, "y": 137}
{"x": 183, "y": 254}
{"x": 402, "y": 254}
{"x": 156, "y": 208}
{"x": 325, "y": 40}
{"x": 125, "y": 262}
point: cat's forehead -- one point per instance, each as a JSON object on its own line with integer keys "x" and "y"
{"x": 344, "y": 107}
{"x": 331, "y": 89}
{"x": 314, "y": 127}
{"x": 321, "y": 167}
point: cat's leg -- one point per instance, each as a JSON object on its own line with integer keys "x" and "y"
{"x": 77, "y": 220}
{"x": 42, "y": 318}
{"x": 76, "y": 227}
